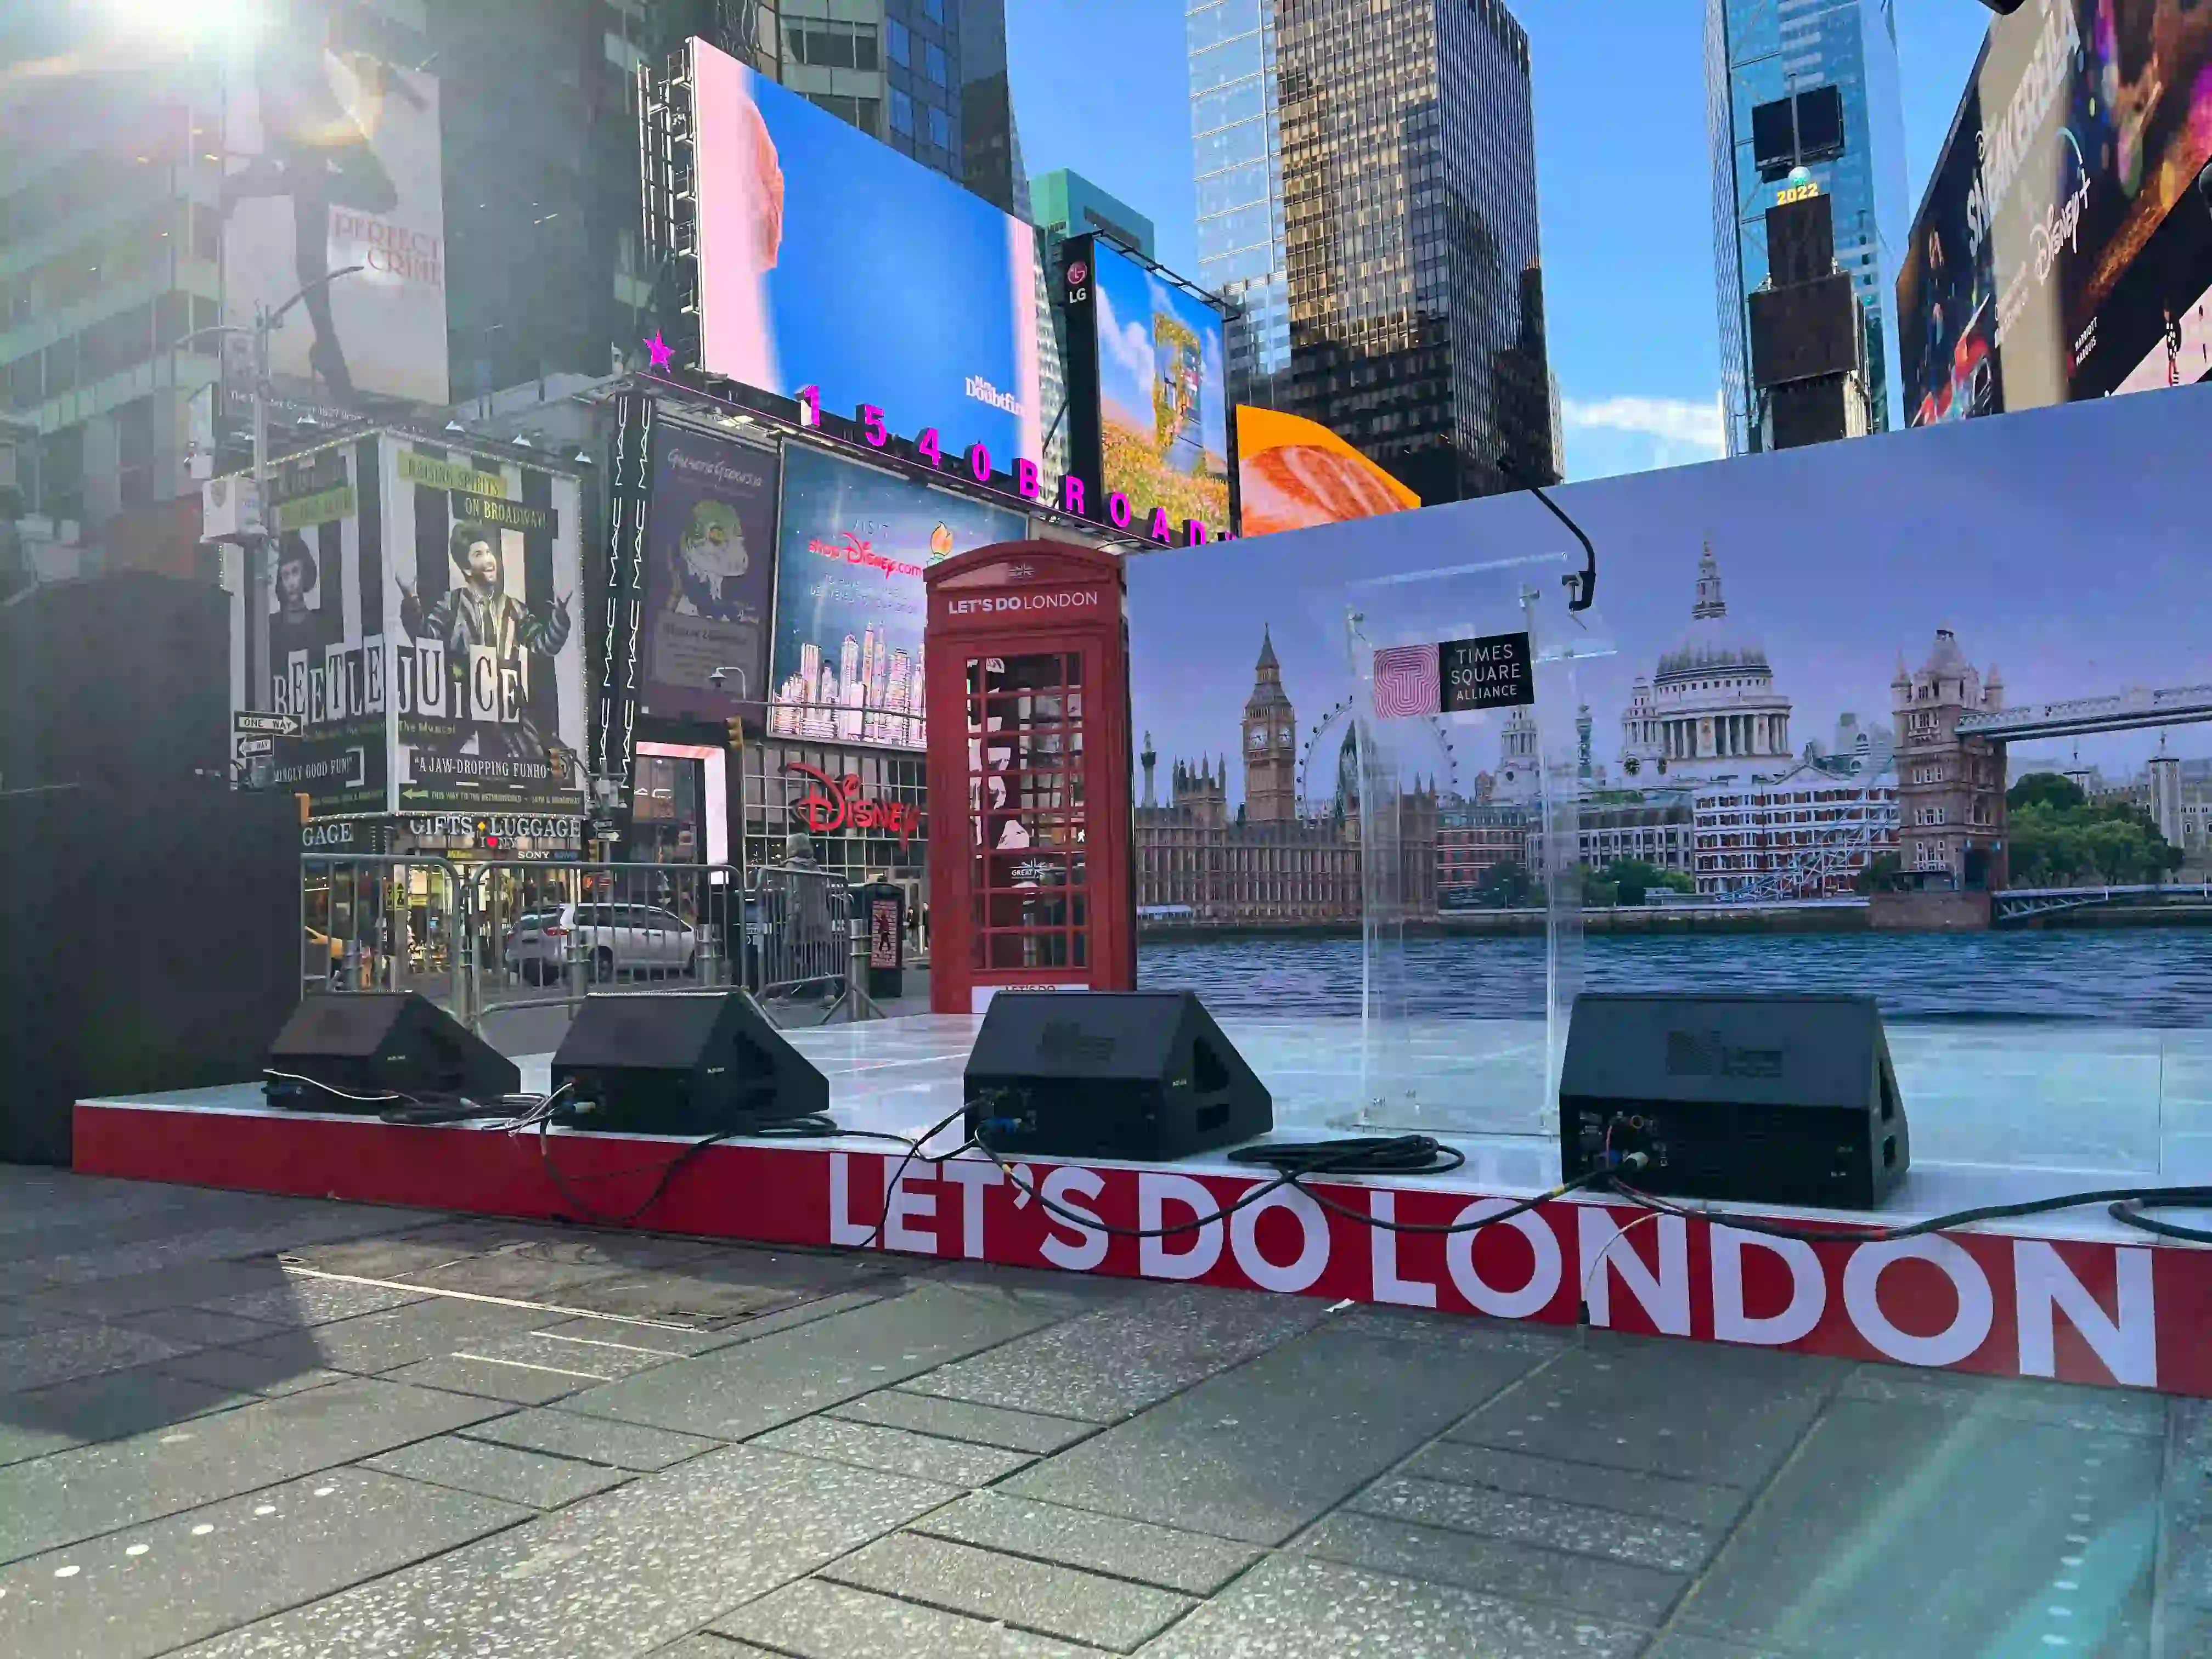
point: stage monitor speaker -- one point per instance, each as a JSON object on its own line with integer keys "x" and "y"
{"x": 1781, "y": 1099}
{"x": 365, "y": 1047}
{"x": 1145, "y": 1075}
{"x": 681, "y": 1063}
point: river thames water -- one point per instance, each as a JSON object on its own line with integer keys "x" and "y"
{"x": 2122, "y": 976}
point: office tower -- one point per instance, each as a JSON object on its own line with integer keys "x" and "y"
{"x": 1066, "y": 204}
{"x": 1236, "y": 151}
{"x": 1803, "y": 96}
{"x": 111, "y": 230}
{"x": 1808, "y": 346}
{"x": 927, "y": 76}
{"x": 1367, "y": 197}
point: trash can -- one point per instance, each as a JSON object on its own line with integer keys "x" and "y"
{"x": 884, "y": 905}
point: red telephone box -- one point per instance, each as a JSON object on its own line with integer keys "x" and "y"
{"x": 1026, "y": 667}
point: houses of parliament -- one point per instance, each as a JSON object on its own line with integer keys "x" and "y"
{"x": 1276, "y": 860}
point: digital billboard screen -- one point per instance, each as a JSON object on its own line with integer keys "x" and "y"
{"x": 484, "y": 561}
{"x": 827, "y": 258}
{"x": 710, "y": 549}
{"x": 1163, "y": 382}
{"x": 1947, "y": 303}
{"x": 849, "y": 602}
{"x": 1293, "y": 473}
{"x": 2078, "y": 170}
{"x": 335, "y": 161}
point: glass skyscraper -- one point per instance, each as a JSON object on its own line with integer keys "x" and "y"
{"x": 1367, "y": 195}
{"x": 1238, "y": 149}
{"x": 1758, "y": 51}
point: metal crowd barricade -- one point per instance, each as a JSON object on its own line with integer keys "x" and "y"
{"x": 485, "y": 937}
{"x": 550, "y": 934}
{"x": 385, "y": 923}
{"x": 800, "y": 936}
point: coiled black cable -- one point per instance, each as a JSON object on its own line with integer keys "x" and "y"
{"x": 1294, "y": 1162}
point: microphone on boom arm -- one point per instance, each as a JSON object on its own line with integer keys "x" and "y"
{"x": 1582, "y": 585}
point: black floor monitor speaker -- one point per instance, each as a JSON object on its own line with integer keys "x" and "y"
{"x": 1144, "y": 1075}
{"x": 1781, "y": 1099}
{"x": 359, "y": 1048}
{"x": 681, "y": 1063}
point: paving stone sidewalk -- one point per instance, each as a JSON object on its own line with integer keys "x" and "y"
{"x": 232, "y": 1425}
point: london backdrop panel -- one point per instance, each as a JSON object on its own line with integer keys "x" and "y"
{"x": 827, "y": 258}
{"x": 849, "y": 600}
{"x": 2062, "y": 549}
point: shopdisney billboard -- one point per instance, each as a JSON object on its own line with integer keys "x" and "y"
{"x": 850, "y": 606}
{"x": 2064, "y": 250}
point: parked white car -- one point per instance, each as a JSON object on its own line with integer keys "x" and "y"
{"x": 604, "y": 939}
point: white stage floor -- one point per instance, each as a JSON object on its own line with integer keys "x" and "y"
{"x": 1998, "y": 1114}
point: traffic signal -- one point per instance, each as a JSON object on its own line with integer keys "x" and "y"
{"x": 737, "y": 728}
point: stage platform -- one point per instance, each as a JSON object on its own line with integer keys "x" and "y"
{"x": 1998, "y": 1114}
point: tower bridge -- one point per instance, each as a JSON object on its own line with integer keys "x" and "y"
{"x": 2129, "y": 710}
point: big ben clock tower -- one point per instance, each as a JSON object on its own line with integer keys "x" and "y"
{"x": 1271, "y": 741}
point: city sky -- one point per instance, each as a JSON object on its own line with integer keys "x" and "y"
{"x": 1621, "y": 172}
{"x": 2064, "y": 544}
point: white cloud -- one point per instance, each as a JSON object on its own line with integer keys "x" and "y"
{"x": 1672, "y": 420}
{"x": 1129, "y": 344}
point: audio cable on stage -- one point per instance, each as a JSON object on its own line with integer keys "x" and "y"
{"x": 1416, "y": 1154}
{"x": 1294, "y": 1162}
{"x": 810, "y": 1126}
{"x": 2125, "y": 1205}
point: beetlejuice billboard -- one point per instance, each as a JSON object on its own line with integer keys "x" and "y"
{"x": 422, "y": 631}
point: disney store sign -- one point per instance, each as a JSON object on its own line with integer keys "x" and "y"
{"x": 836, "y": 804}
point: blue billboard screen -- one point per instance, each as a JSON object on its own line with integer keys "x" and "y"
{"x": 827, "y": 258}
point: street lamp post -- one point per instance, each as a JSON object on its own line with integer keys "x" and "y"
{"x": 266, "y": 322}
